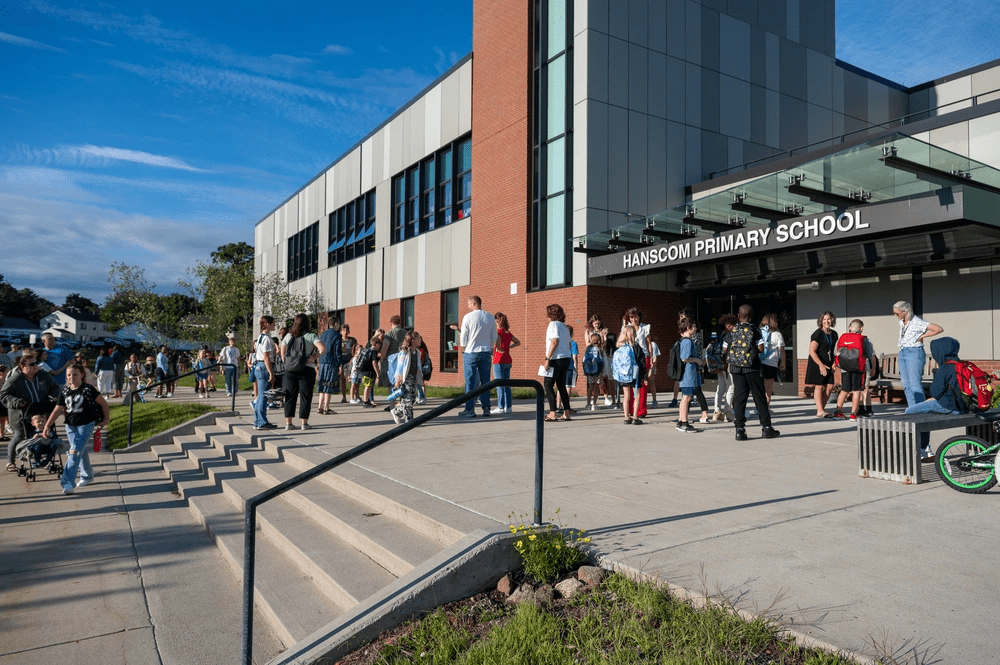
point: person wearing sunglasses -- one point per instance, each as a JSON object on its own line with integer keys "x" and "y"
{"x": 25, "y": 385}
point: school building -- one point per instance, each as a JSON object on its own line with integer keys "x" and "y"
{"x": 659, "y": 154}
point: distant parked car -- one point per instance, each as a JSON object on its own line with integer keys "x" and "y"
{"x": 93, "y": 344}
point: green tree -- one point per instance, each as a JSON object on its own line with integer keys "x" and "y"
{"x": 23, "y": 303}
{"x": 78, "y": 303}
{"x": 132, "y": 300}
{"x": 225, "y": 288}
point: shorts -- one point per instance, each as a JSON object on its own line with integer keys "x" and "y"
{"x": 769, "y": 372}
{"x": 690, "y": 392}
{"x": 851, "y": 381}
{"x": 594, "y": 379}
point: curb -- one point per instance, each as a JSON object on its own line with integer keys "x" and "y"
{"x": 468, "y": 567}
{"x": 183, "y": 429}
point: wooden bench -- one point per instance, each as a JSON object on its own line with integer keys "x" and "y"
{"x": 889, "y": 448}
{"x": 889, "y": 379}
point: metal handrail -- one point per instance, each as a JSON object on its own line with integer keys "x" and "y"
{"x": 133, "y": 393}
{"x": 250, "y": 526}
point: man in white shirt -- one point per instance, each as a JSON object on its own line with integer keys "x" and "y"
{"x": 477, "y": 337}
{"x": 264, "y": 373}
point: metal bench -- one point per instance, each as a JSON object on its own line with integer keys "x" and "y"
{"x": 889, "y": 448}
{"x": 889, "y": 379}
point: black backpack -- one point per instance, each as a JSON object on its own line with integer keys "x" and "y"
{"x": 295, "y": 355}
{"x": 743, "y": 346}
{"x": 675, "y": 367}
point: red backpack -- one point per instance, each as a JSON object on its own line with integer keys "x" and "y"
{"x": 851, "y": 352}
{"x": 974, "y": 384}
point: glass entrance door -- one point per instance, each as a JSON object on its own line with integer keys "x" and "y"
{"x": 774, "y": 298}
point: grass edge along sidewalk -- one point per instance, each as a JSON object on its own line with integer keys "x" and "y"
{"x": 620, "y": 620}
{"x": 150, "y": 419}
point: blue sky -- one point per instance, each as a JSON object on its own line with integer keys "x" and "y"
{"x": 153, "y": 133}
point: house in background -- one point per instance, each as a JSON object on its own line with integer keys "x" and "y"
{"x": 17, "y": 329}
{"x": 81, "y": 326}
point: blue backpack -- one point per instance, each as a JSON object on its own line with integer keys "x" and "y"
{"x": 593, "y": 361}
{"x": 623, "y": 365}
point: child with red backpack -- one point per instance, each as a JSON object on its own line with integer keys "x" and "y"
{"x": 954, "y": 382}
{"x": 855, "y": 357}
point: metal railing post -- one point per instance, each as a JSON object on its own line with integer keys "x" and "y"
{"x": 539, "y": 446}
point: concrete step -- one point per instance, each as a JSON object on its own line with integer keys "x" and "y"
{"x": 340, "y": 571}
{"x": 285, "y": 595}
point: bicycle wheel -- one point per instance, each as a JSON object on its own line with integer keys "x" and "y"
{"x": 955, "y": 464}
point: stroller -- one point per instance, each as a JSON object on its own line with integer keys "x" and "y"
{"x": 275, "y": 398}
{"x": 36, "y": 452}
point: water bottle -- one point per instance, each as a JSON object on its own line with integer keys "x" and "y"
{"x": 97, "y": 440}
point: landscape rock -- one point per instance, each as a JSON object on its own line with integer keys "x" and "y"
{"x": 521, "y": 594}
{"x": 568, "y": 587}
{"x": 544, "y": 595}
{"x": 505, "y": 585}
{"x": 590, "y": 575}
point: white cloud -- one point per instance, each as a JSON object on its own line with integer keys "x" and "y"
{"x": 92, "y": 155}
{"x": 337, "y": 49}
{"x": 30, "y": 43}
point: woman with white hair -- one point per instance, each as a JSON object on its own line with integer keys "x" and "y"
{"x": 912, "y": 332}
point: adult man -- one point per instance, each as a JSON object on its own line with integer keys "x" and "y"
{"x": 118, "y": 359}
{"x": 264, "y": 373}
{"x": 163, "y": 372}
{"x": 59, "y": 358}
{"x": 390, "y": 347}
{"x": 744, "y": 345}
{"x": 15, "y": 353}
{"x": 477, "y": 336}
{"x": 230, "y": 355}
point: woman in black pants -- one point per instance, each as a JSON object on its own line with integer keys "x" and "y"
{"x": 300, "y": 349}
{"x": 557, "y": 358}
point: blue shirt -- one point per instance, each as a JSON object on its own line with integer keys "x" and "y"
{"x": 692, "y": 377}
{"x": 163, "y": 362}
{"x": 58, "y": 357}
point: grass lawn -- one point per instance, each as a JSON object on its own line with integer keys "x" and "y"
{"x": 150, "y": 418}
{"x": 620, "y": 621}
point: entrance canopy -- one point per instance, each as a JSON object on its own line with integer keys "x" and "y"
{"x": 888, "y": 200}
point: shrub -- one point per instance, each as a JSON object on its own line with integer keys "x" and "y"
{"x": 549, "y": 550}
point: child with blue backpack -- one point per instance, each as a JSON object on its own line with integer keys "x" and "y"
{"x": 593, "y": 369}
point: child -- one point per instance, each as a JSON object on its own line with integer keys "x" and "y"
{"x": 593, "y": 369}
{"x": 43, "y": 448}
{"x": 571, "y": 373}
{"x": 945, "y": 394}
{"x": 149, "y": 372}
{"x": 85, "y": 410}
{"x": 690, "y": 383}
{"x": 201, "y": 374}
{"x": 133, "y": 373}
{"x": 370, "y": 369}
{"x": 355, "y": 375}
{"x": 858, "y": 359}
{"x": 408, "y": 376}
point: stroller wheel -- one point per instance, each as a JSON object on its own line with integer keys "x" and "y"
{"x": 30, "y": 477}
{"x": 21, "y": 471}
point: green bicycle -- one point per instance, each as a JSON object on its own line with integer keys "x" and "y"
{"x": 967, "y": 463}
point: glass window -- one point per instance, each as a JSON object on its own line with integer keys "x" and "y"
{"x": 374, "y": 312}
{"x": 449, "y": 337}
{"x": 352, "y": 228}
{"x": 557, "y": 26}
{"x": 556, "y": 120}
{"x": 555, "y": 241}
{"x": 434, "y": 192}
{"x": 303, "y": 252}
{"x": 407, "y": 307}
{"x": 556, "y": 166}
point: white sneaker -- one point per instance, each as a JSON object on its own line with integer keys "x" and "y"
{"x": 67, "y": 490}
{"x": 306, "y": 426}
{"x": 170, "y": 394}
{"x": 395, "y": 416}
{"x": 83, "y": 482}
{"x": 422, "y": 400}
{"x": 355, "y": 401}
{"x": 607, "y": 401}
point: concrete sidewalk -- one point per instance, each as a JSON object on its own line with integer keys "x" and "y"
{"x": 784, "y": 524}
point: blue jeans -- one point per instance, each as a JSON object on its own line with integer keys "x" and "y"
{"x": 260, "y": 404}
{"x": 504, "y": 395}
{"x": 928, "y": 406}
{"x": 477, "y": 373}
{"x": 911, "y": 367}
{"x": 78, "y": 436}
{"x": 231, "y": 382}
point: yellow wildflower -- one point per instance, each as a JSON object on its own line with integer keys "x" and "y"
{"x": 531, "y": 537}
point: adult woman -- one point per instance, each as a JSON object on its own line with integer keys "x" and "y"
{"x": 329, "y": 362}
{"x": 347, "y": 344}
{"x": 300, "y": 350}
{"x": 912, "y": 332}
{"x": 633, "y": 397}
{"x": 819, "y": 369}
{"x": 25, "y": 385}
{"x": 502, "y": 360}
{"x": 105, "y": 373}
{"x": 772, "y": 360}
{"x": 557, "y": 358}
